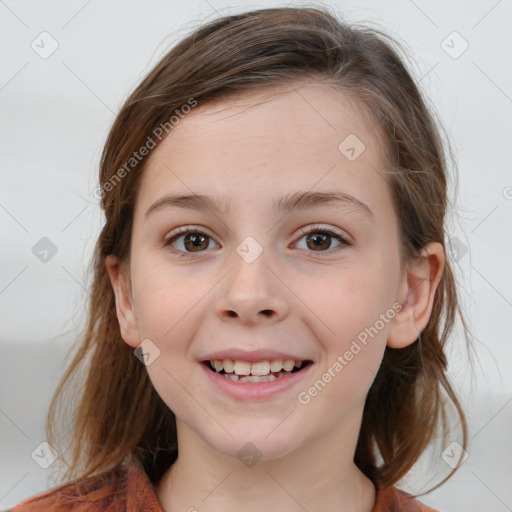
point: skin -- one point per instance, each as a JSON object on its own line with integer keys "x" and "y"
{"x": 252, "y": 149}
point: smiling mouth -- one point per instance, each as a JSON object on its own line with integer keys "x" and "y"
{"x": 261, "y": 371}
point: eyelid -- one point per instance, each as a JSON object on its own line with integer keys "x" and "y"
{"x": 312, "y": 227}
{"x": 185, "y": 230}
{"x": 319, "y": 227}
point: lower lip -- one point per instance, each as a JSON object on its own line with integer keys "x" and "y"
{"x": 255, "y": 390}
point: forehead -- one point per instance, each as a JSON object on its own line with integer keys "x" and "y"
{"x": 278, "y": 139}
{"x": 311, "y": 112}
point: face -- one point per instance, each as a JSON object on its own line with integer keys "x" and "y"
{"x": 261, "y": 276}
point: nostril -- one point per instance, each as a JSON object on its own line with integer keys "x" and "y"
{"x": 267, "y": 312}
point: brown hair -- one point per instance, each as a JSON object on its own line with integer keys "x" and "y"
{"x": 120, "y": 416}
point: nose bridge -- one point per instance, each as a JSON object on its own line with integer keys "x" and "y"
{"x": 252, "y": 292}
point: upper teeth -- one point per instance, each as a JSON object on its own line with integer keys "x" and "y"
{"x": 260, "y": 368}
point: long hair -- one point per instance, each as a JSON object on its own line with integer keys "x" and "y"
{"x": 117, "y": 415}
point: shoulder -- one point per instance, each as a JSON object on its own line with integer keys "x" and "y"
{"x": 392, "y": 499}
{"x": 125, "y": 488}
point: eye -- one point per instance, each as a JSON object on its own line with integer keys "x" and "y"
{"x": 319, "y": 239}
{"x": 194, "y": 240}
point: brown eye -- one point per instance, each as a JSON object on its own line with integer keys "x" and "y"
{"x": 192, "y": 240}
{"x": 188, "y": 240}
{"x": 195, "y": 242}
{"x": 320, "y": 240}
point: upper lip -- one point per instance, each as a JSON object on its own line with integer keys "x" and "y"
{"x": 251, "y": 356}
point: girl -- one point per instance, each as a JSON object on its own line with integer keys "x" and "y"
{"x": 271, "y": 295}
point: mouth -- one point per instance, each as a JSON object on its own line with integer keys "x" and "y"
{"x": 256, "y": 372}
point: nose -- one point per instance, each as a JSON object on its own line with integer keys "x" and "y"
{"x": 252, "y": 294}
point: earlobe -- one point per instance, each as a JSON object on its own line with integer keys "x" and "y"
{"x": 126, "y": 315}
{"x": 417, "y": 290}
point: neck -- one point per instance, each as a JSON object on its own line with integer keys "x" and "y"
{"x": 320, "y": 476}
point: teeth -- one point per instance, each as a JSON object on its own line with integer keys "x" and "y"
{"x": 276, "y": 366}
{"x": 242, "y": 368}
{"x": 259, "y": 369}
{"x": 255, "y": 379}
{"x": 228, "y": 365}
{"x": 288, "y": 365}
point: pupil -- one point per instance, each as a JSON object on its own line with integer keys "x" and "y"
{"x": 196, "y": 240}
{"x": 319, "y": 240}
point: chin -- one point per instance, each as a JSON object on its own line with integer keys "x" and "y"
{"x": 254, "y": 446}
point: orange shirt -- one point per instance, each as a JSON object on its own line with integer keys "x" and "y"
{"x": 128, "y": 489}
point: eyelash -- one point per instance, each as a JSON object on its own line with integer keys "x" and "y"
{"x": 316, "y": 229}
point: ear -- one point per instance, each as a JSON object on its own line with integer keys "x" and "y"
{"x": 126, "y": 315}
{"x": 416, "y": 294}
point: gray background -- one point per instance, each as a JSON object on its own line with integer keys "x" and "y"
{"x": 56, "y": 112}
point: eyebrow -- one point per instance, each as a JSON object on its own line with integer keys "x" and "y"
{"x": 296, "y": 201}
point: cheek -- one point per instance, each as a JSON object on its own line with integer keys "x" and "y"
{"x": 168, "y": 311}
{"x": 354, "y": 311}
{"x": 352, "y": 299}
{"x": 355, "y": 314}
{"x": 164, "y": 300}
